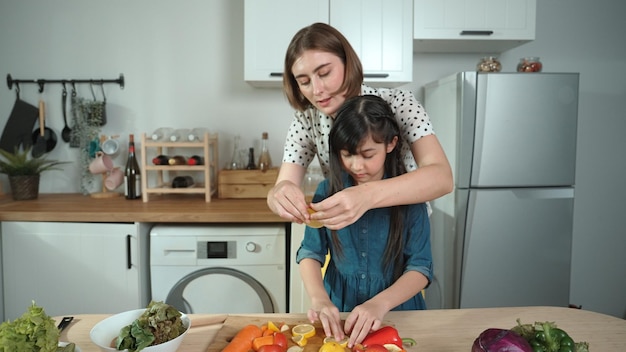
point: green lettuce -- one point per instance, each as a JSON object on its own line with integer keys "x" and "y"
{"x": 158, "y": 324}
{"x": 33, "y": 331}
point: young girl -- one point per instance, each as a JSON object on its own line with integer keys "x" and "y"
{"x": 383, "y": 260}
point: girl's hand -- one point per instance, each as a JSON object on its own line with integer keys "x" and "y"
{"x": 328, "y": 315}
{"x": 286, "y": 200}
{"x": 342, "y": 208}
{"x": 363, "y": 319}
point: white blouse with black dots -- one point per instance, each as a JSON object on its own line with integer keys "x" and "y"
{"x": 308, "y": 134}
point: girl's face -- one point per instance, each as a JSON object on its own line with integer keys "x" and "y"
{"x": 369, "y": 162}
{"x": 319, "y": 75}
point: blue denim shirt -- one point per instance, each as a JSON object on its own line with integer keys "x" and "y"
{"x": 358, "y": 274}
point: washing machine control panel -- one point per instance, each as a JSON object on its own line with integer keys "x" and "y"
{"x": 217, "y": 249}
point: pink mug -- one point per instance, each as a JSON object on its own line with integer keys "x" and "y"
{"x": 101, "y": 164}
{"x": 114, "y": 179}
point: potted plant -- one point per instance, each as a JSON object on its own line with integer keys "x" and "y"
{"x": 24, "y": 170}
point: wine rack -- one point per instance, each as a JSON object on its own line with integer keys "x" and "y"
{"x": 165, "y": 173}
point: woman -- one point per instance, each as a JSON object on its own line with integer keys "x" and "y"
{"x": 321, "y": 72}
{"x": 383, "y": 261}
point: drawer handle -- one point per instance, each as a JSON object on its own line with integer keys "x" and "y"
{"x": 276, "y": 74}
{"x": 375, "y": 75}
{"x": 476, "y": 32}
{"x": 129, "y": 258}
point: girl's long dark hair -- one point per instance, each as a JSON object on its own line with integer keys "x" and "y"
{"x": 358, "y": 118}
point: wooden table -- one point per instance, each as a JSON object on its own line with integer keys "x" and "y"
{"x": 434, "y": 330}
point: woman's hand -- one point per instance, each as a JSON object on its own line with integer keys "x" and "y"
{"x": 362, "y": 320}
{"x": 286, "y": 199}
{"x": 342, "y": 208}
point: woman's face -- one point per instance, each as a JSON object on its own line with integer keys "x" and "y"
{"x": 319, "y": 75}
{"x": 369, "y": 162}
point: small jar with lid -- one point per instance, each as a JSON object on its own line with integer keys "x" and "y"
{"x": 489, "y": 64}
{"x": 529, "y": 64}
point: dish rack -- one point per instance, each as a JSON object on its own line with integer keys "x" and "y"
{"x": 207, "y": 148}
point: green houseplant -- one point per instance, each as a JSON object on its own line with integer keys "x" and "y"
{"x": 24, "y": 171}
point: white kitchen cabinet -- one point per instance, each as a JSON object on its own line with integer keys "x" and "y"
{"x": 380, "y": 32}
{"x": 299, "y": 301}
{"x": 74, "y": 268}
{"x": 490, "y": 26}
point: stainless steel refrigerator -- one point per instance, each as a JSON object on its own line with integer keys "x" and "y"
{"x": 503, "y": 237}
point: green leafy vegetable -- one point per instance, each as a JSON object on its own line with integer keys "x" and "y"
{"x": 546, "y": 337}
{"x": 158, "y": 324}
{"x": 33, "y": 331}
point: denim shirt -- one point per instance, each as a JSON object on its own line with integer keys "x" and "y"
{"x": 358, "y": 273}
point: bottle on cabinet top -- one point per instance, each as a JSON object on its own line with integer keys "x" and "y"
{"x": 161, "y": 134}
{"x": 265, "y": 161}
{"x": 180, "y": 135}
{"x": 132, "y": 174}
{"x": 197, "y": 134}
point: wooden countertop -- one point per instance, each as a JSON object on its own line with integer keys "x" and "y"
{"x": 434, "y": 330}
{"x": 65, "y": 207}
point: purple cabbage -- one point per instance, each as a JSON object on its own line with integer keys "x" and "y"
{"x": 500, "y": 340}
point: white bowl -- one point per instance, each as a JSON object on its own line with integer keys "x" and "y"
{"x": 107, "y": 329}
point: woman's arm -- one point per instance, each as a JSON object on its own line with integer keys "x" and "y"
{"x": 431, "y": 180}
{"x": 286, "y": 198}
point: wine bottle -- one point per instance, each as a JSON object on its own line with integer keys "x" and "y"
{"x": 195, "y": 160}
{"x": 177, "y": 160}
{"x": 251, "y": 165}
{"x": 265, "y": 161}
{"x": 197, "y": 134}
{"x": 132, "y": 174}
{"x": 161, "y": 160}
{"x": 182, "y": 182}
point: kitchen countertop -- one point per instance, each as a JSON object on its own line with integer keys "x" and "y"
{"x": 434, "y": 330}
{"x": 175, "y": 208}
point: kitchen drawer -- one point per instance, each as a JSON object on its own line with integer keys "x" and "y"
{"x": 245, "y": 183}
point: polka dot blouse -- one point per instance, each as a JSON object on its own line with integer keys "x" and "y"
{"x": 308, "y": 134}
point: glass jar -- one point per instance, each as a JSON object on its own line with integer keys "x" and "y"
{"x": 529, "y": 64}
{"x": 489, "y": 64}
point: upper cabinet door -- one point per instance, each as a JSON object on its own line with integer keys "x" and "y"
{"x": 269, "y": 26}
{"x": 380, "y": 33}
{"x": 472, "y": 25}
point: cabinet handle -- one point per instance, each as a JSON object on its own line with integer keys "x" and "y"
{"x": 129, "y": 263}
{"x": 276, "y": 74}
{"x": 375, "y": 75}
{"x": 476, "y": 32}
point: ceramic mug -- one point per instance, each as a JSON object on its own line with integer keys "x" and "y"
{"x": 110, "y": 146}
{"x": 101, "y": 164}
{"x": 114, "y": 179}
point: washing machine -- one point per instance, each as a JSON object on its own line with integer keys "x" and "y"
{"x": 234, "y": 269}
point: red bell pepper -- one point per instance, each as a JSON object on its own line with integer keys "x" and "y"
{"x": 386, "y": 334}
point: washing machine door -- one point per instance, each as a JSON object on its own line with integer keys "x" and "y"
{"x": 220, "y": 290}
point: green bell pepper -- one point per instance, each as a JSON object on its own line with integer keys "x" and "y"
{"x": 552, "y": 339}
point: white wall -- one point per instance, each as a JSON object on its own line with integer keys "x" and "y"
{"x": 183, "y": 65}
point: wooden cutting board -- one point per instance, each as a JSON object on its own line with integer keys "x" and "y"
{"x": 233, "y": 324}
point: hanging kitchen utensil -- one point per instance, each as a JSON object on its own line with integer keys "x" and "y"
{"x": 17, "y": 131}
{"x": 44, "y": 139}
{"x": 98, "y": 107}
{"x": 74, "y": 136}
{"x": 66, "y": 133}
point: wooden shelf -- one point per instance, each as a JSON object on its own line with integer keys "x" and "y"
{"x": 209, "y": 151}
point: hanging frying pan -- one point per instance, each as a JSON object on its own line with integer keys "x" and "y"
{"x": 19, "y": 125}
{"x": 44, "y": 139}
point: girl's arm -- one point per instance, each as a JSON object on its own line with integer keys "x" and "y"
{"x": 369, "y": 315}
{"x": 322, "y": 308}
{"x": 432, "y": 179}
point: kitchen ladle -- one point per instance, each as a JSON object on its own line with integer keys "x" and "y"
{"x": 66, "y": 133}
